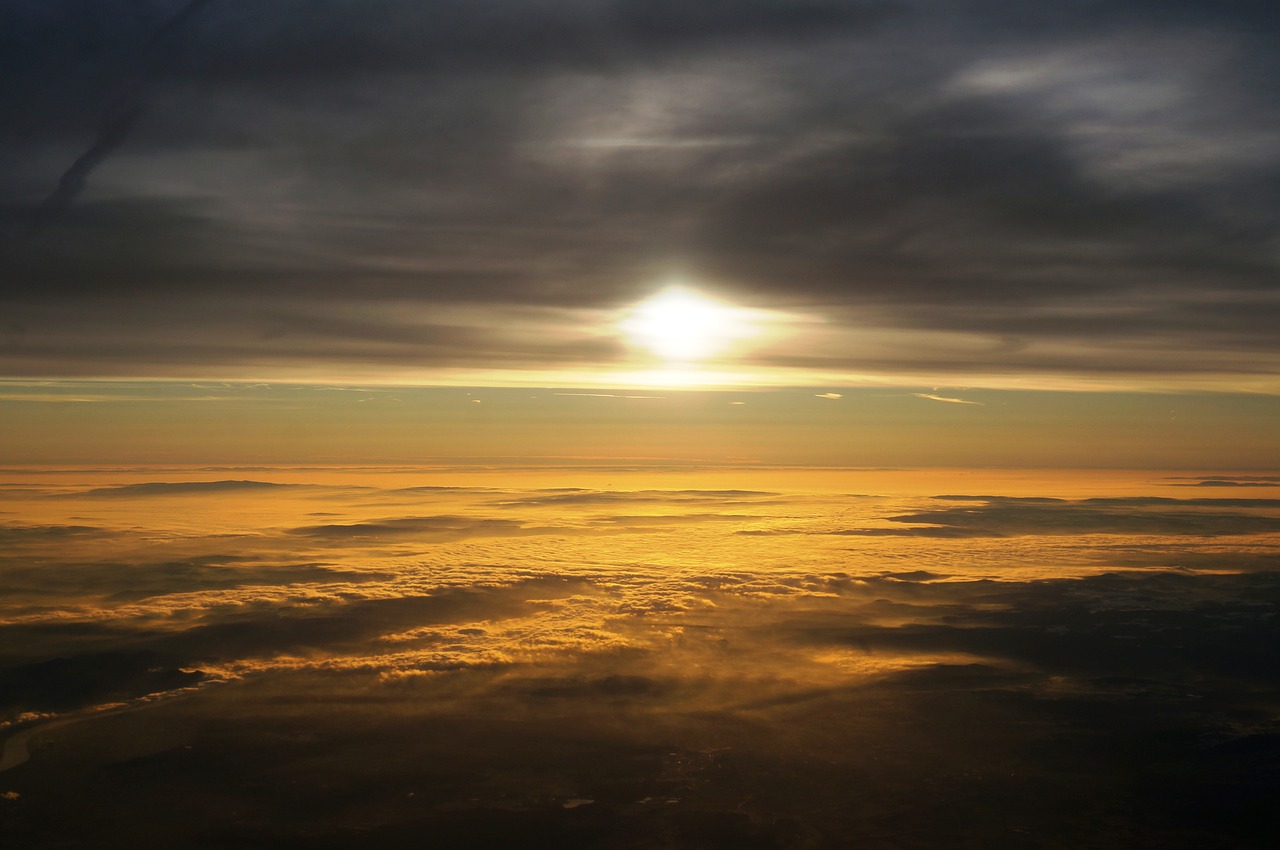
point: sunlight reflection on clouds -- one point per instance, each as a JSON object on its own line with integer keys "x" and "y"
{"x": 334, "y": 567}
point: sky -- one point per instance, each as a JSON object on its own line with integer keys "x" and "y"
{"x": 912, "y": 194}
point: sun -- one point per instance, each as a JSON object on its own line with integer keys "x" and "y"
{"x": 680, "y": 325}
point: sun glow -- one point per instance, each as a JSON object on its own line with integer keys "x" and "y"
{"x": 682, "y": 326}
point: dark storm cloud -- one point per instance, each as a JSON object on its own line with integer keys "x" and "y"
{"x": 1087, "y": 186}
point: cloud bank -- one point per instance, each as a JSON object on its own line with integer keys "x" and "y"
{"x": 711, "y": 665}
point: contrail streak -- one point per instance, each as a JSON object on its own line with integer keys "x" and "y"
{"x": 118, "y": 119}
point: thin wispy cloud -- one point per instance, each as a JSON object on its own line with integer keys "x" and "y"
{"x": 608, "y": 395}
{"x": 935, "y": 397}
{"x": 120, "y": 115}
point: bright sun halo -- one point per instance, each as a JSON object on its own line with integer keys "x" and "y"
{"x": 682, "y": 326}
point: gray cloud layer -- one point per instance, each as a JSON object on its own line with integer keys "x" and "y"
{"x": 1089, "y": 187}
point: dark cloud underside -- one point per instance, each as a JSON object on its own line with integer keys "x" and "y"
{"x": 1088, "y": 186}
